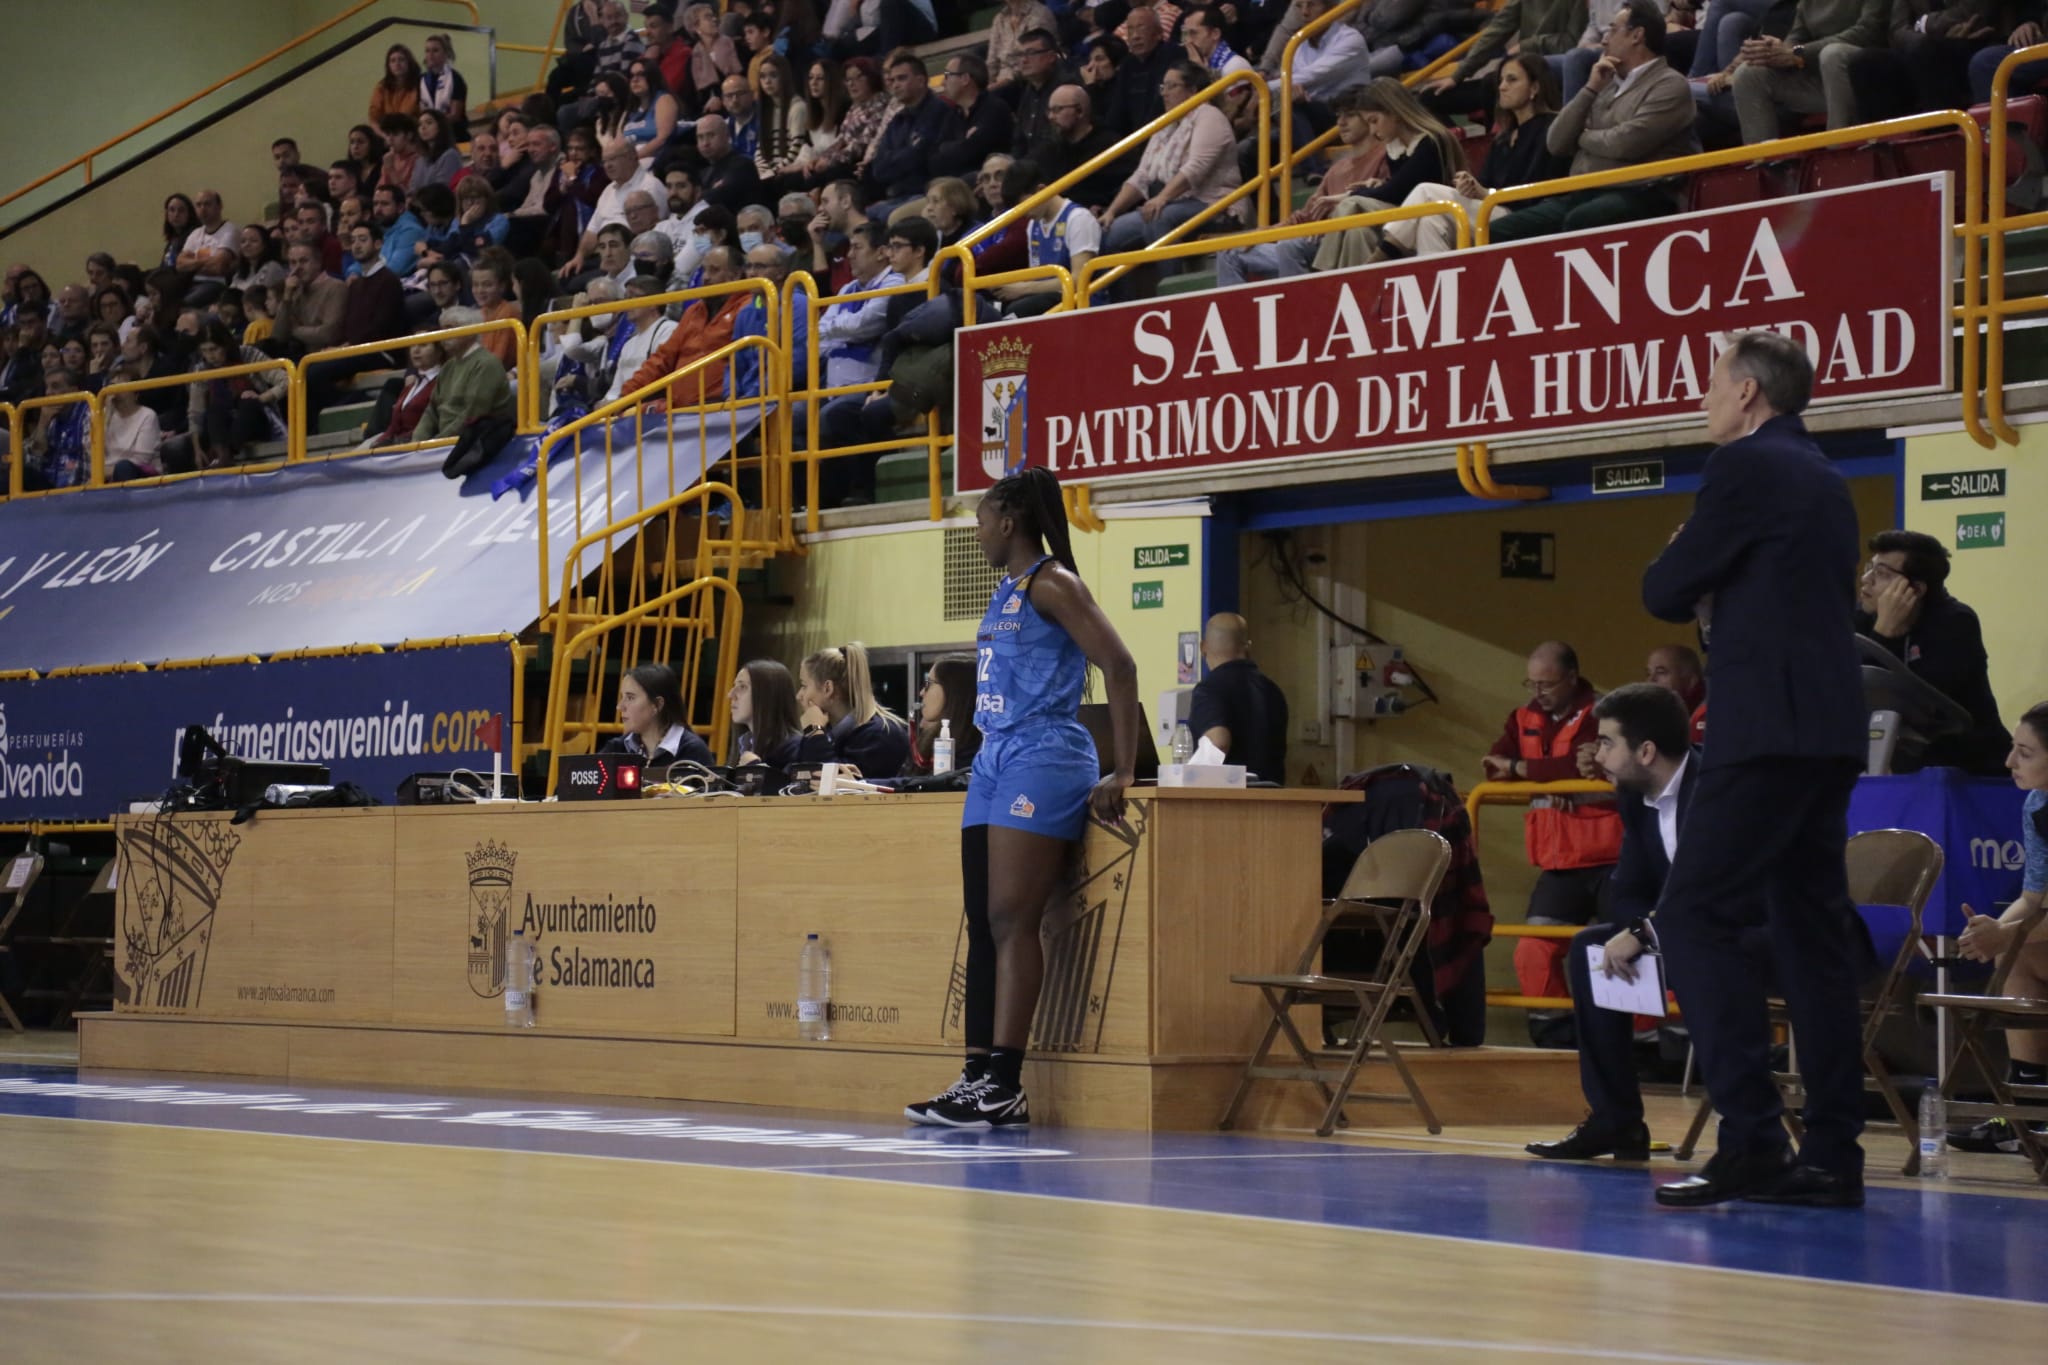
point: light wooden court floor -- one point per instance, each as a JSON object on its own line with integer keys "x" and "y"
{"x": 218, "y": 1221}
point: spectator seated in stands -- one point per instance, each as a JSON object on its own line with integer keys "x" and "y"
{"x": 755, "y": 224}
{"x": 1807, "y": 71}
{"x": 649, "y": 115}
{"x": 713, "y": 56}
{"x": 728, "y": 179}
{"x": 59, "y": 451}
{"x": 770, "y": 264}
{"x": 1904, "y": 604}
{"x": 397, "y": 95}
{"x": 1042, "y": 71}
{"x": 947, "y": 698}
{"x": 1133, "y": 99}
{"x": 1007, "y": 248}
{"x": 1097, "y": 74}
{"x": 624, "y": 176}
{"x": 1676, "y": 669}
{"x": 1532, "y": 27}
{"x": 1985, "y": 62}
{"x": 1635, "y": 109}
{"x": 848, "y": 333}
{"x": 668, "y": 50}
{"x": 871, "y": 26}
{"x": 21, "y": 371}
{"x": 310, "y": 305}
{"x": 374, "y": 310}
{"x": 1519, "y": 155}
{"x": 1985, "y": 938}
{"x": 479, "y": 223}
{"x": 624, "y": 342}
{"x": 402, "y": 236}
{"x": 767, "y": 723}
{"x": 1203, "y": 34}
{"x": 230, "y": 414}
{"x": 490, "y": 288}
{"x": 782, "y": 117}
{"x": 134, "y": 438}
{"x": 72, "y": 313}
{"x": 1420, "y": 151}
{"x": 254, "y": 260}
{"x": 742, "y": 116}
{"x": 408, "y": 402}
{"x": 1007, "y": 33}
{"x": 403, "y": 156}
{"x": 439, "y": 162}
{"x": 442, "y": 88}
{"x": 985, "y": 125}
{"x": 923, "y": 123}
{"x": 1187, "y": 166}
{"x": 471, "y": 387}
{"x": 508, "y": 181}
{"x": 1075, "y": 139}
{"x": 1059, "y": 232}
{"x": 842, "y": 207}
{"x": 950, "y": 207}
{"x": 656, "y": 721}
{"x": 1573, "y": 841}
{"x": 842, "y": 721}
{"x": 208, "y": 256}
{"x": 705, "y": 326}
{"x": 859, "y": 419}
{"x": 1925, "y": 62}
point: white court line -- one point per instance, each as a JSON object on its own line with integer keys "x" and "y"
{"x": 1102, "y": 1160}
{"x": 46, "y": 1058}
{"x": 1628, "y": 1259}
{"x": 806, "y": 1310}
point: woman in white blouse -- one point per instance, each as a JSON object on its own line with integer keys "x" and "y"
{"x": 1187, "y": 166}
{"x": 134, "y": 438}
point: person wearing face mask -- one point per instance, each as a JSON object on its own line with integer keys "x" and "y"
{"x": 714, "y": 228}
{"x": 628, "y": 340}
{"x": 756, "y": 225}
{"x": 654, "y": 260}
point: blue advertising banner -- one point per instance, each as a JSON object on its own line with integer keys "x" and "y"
{"x": 372, "y": 550}
{"x": 84, "y": 748}
{"x": 1976, "y": 820}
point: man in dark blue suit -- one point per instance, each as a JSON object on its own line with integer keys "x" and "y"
{"x": 1767, "y": 563}
{"x": 1643, "y": 749}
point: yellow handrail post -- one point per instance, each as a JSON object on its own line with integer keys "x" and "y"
{"x": 1286, "y": 111}
{"x": 1994, "y": 235}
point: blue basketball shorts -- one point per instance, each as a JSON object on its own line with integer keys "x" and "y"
{"x": 1036, "y": 782}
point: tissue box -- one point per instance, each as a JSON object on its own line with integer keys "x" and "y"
{"x": 1202, "y": 775}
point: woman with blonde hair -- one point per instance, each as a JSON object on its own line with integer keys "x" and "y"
{"x": 843, "y": 723}
{"x": 1420, "y": 151}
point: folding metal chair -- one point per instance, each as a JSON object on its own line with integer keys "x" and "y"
{"x": 1886, "y": 867}
{"x": 1973, "y": 1014}
{"x": 1404, "y": 868}
{"x": 17, "y": 878}
{"x": 76, "y": 965}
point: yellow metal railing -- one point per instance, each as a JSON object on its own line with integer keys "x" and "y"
{"x": 390, "y": 346}
{"x": 86, "y": 159}
{"x": 1997, "y": 308}
{"x": 1521, "y": 794}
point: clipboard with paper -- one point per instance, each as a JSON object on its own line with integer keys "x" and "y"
{"x": 1644, "y": 995}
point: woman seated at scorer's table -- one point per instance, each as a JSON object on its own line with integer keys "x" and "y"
{"x": 765, "y": 716}
{"x": 947, "y": 695}
{"x": 842, "y": 721}
{"x": 651, "y": 709}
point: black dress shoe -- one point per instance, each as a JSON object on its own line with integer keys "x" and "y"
{"x": 1590, "y": 1139}
{"x": 1812, "y": 1187}
{"x": 1726, "y": 1177}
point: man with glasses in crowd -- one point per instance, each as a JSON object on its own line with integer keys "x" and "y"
{"x": 1573, "y": 841}
{"x": 1903, "y": 603}
{"x": 985, "y": 121}
{"x": 1040, "y": 72}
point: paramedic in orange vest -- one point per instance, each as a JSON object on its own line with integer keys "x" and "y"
{"x": 1575, "y": 842}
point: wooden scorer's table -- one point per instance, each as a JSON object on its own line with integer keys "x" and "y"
{"x": 367, "y": 946}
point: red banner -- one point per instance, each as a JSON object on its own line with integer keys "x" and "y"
{"x": 1587, "y": 331}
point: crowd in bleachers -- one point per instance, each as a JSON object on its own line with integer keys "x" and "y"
{"x": 706, "y": 147}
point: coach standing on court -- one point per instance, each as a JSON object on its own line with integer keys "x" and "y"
{"x": 1767, "y": 561}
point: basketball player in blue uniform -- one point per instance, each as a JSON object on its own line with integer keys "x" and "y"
{"x": 1034, "y": 784}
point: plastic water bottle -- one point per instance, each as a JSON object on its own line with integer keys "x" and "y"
{"x": 1933, "y": 1131}
{"x": 1183, "y": 743}
{"x": 518, "y": 981}
{"x": 942, "y": 749}
{"x": 814, "y": 991}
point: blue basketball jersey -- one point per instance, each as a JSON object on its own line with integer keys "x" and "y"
{"x": 1028, "y": 671}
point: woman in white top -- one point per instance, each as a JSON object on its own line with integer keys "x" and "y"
{"x": 134, "y": 439}
{"x": 1187, "y": 166}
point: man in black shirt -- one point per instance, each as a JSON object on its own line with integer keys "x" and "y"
{"x": 1903, "y": 603}
{"x": 1237, "y": 708}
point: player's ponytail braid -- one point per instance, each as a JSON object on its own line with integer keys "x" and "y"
{"x": 1032, "y": 495}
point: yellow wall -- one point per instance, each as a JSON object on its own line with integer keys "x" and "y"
{"x": 2002, "y": 583}
{"x": 887, "y": 590}
{"x": 1432, "y": 585}
{"x": 90, "y": 70}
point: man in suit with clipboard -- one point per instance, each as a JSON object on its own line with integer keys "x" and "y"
{"x": 1643, "y": 748}
{"x": 1766, "y": 562}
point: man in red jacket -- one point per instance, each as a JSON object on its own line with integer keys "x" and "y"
{"x": 1574, "y": 841}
